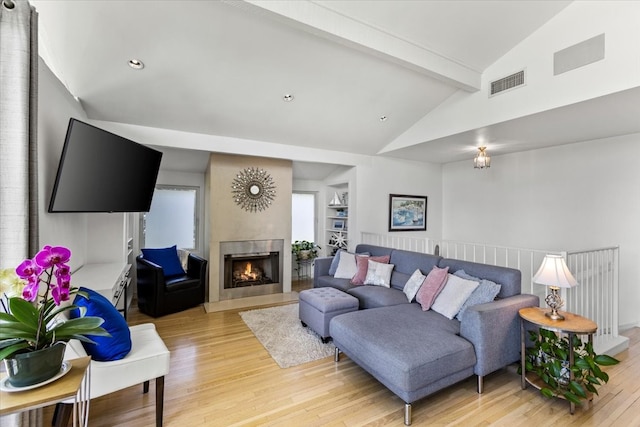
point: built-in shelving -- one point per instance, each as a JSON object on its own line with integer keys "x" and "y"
{"x": 337, "y": 218}
{"x": 110, "y": 257}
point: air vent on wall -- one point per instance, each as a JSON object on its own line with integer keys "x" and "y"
{"x": 506, "y": 83}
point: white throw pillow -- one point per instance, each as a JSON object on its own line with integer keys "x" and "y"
{"x": 453, "y": 296}
{"x": 346, "y": 266}
{"x": 413, "y": 284}
{"x": 379, "y": 274}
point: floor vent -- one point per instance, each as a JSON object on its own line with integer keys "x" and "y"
{"x": 510, "y": 82}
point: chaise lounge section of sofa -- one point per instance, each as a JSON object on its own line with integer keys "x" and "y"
{"x": 415, "y": 353}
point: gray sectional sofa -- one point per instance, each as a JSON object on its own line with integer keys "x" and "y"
{"x": 415, "y": 353}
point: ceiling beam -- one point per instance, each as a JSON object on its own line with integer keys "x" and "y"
{"x": 329, "y": 24}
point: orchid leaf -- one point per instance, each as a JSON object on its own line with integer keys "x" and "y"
{"x": 17, "y": 330}
{"x": 8, "y": 351}
{"x": 60, "y": 310}
{"x": 80, "y": 326}
{"x": 5, "y": 317}
{"x": 23, "y": 311}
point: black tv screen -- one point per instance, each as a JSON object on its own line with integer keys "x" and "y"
{"x": 103, "y": 172}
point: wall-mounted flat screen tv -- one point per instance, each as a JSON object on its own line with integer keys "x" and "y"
{"x": 103, "y": 172}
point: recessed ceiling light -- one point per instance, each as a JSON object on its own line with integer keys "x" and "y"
{"x": 383, "y": 118}
{"x": 287, "y": 98}
{"x": 136, "y": 64}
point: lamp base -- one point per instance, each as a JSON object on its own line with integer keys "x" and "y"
{"x": 554, "y": 315}
{"x": 554, "y": 302}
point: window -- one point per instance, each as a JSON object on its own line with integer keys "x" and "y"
{"x": 172, "y": 219}
{"x": 303, "y": 217}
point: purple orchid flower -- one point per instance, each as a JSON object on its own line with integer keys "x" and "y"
{"x": 63, "y": 270}
{"x": 52, "y": 260}
{"x": 52, "y": 255}
{"x": 30, "y": 291}
{"x": 28, "y": 270}
{"x": 59, "y": 294}
{"x": 63, "y": 280}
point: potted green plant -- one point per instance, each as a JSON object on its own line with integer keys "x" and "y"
{"x": 32, "y": 331}
{"x": 548, "y": 358}
{"x": 304, "y": 250}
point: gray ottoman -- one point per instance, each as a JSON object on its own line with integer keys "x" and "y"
{"x": 319, "y": 305}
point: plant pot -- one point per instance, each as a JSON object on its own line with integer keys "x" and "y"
{"x": 25, "y": 369}
{"x": 304, "y": 254}
{"x": 564, "y": 378}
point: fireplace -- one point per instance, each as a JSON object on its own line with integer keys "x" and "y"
{"x": 250, "y": 268}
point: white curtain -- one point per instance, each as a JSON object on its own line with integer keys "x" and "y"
{"x": 18, "y": 128}
{"x": 18, "y": 156}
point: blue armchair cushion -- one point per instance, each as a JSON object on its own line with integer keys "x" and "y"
{"x": 115, "y": 347}
{"x": 167, "y": 258}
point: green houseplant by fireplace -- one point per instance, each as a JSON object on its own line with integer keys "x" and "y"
{"x": 32, "y": 331}
{"x": 548, "y": 358}
{"x": 304, "y": 249}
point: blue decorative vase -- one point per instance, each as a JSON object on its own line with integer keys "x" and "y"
{"x": 25, "y": 369}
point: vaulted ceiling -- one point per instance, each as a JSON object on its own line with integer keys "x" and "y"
{"x": 360, "y": 72}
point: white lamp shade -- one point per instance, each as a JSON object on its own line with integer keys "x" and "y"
{"x": 554, "y": 272}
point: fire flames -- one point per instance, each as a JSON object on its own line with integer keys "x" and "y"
{"x": 248, "y": 273}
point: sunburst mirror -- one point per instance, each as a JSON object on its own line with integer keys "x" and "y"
{"x": 253, "y": 189}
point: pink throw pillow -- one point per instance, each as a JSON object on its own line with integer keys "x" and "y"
{"x": 362, "y": 264}
{"x": 431, "y": 287}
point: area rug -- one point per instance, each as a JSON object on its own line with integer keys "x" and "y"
{"x": 280, "y": 332}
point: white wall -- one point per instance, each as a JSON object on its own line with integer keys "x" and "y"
{"x": 384, "y": 176}
{"x": 55, "y": 107}
{"x": 581, "y": 20}
{"x": 573, "y": 197}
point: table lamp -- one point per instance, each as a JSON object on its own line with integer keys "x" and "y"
{"x": 555, "y": 274}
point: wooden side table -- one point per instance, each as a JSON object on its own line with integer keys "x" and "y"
{"x": 74, "y": 385}
{"x": 571, "y": 325}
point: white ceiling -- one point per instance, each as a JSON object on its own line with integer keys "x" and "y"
{"x": 222, "y": 67}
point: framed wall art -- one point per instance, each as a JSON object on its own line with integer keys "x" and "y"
{"x": 339, "y": 224}
{"x": 407, "y": 213}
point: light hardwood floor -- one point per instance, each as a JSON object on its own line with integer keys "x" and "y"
{"x": 222, "y": 376}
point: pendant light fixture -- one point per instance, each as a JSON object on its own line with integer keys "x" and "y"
{"x": 482, "y": 159}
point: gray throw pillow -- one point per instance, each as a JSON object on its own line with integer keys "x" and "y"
{"x": 334, "y": 263}
{"x": 485, "y": 292}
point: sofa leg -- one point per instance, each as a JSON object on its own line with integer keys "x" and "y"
{"x": 336, "y": 355}
{"x": 480, "y": 384}
{"x": 159, "y": 400}
{"x": 407, "y": 414}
